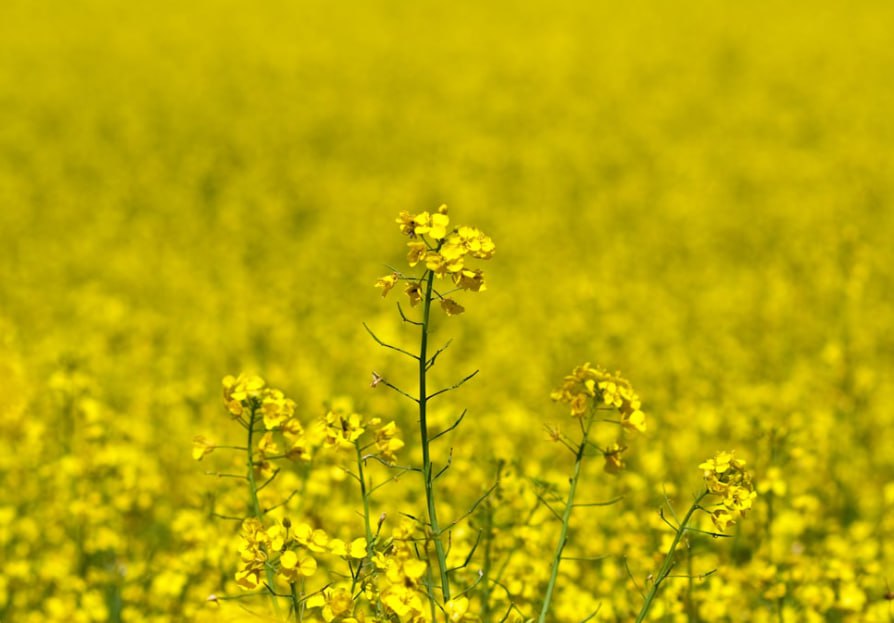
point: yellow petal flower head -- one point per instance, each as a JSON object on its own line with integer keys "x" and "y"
{"x": 342, "y": 429}
{"x": 414, "y": 293}
{"x": 469, "y": 279}
{"x": 387, "y": 282}
{"x": 438, "y": 228}
{"x": 201, "y": 447}
{"x": 589, "y": 388}
{"x": 358, "y": 549}
{"x": 295, "y": 565}
{"x": 476, "y": 242}
{"x": 388, "y": 442}
{"x": 417, "y": 252}
{"x": 407, "y": 223}
{"x": 276, "y": 408}
{"x": 456, "y": 609}
{"x": 725, "y": 477}
{"x": 451, "y": 307}
{"x": 240, "y": 392}
{"x": 614, "y": 462}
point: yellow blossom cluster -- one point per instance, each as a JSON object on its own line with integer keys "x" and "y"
{"x": 443, "y": 250}
{"x": 725, "y": 477}
{"x": 245, "y": 397}
{"x": 588, "y": 388}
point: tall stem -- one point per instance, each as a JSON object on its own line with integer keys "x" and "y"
{"x": 566, "y": 519}
{"x": 365, "y": 495}
{"x": 253, "y": 493}
{"x": 423, "y": 433}
{"x": 668, "y": 560}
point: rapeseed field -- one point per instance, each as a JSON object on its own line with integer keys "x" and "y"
{"x": 458, "y": 312}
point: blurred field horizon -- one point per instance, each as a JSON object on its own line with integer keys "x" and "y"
{"x": 698, "y": 195}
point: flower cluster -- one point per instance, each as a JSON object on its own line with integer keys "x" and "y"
{"x": 248, "y": 395}
{"x": 402, "y": 590}
{"x": 725, "y": 477}
{"x": 587, "y": 386}
{"x": 343, "y": 429}
{"x": 444, "y": 252}
{"x": 260, "y": 546}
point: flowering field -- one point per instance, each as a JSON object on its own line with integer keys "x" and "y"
{"x": 638, "y": 367}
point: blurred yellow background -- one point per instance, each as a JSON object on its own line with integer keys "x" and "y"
{"x": 695, "y": 193}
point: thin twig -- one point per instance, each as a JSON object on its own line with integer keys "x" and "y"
{"x": 431, "y": 360}
{"x": 452, "y": 387}
{"x": 387, "y": 345}
{"x": 449, "y": 428}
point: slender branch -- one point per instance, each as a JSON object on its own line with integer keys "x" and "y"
{"x": 403, "y": 317}
{"x": 398, "y": 390}
{"x": 220, "y": 475}
{"x": 423, "y": 432}
{"x": 444, "y": 469}
{"x": 606, "y": 503}
{"x": 269, "y": 480}
{"x": 387, "y": 345}
{"x": 451, "y": 427}
{"x": 592, "y": 614}
{"x": 566, "y": 520}
{"x": 283, "y": 503}
{"x": 639, "y": 588}
{"x": 472, "y": 508}
{"x": 452, "y": 387}
{"x": 548, "y": 506}
{"x": 668, "y": 560}
{"x": 431, "y": 360}
{"x": 469, "y": 559}
{"x": 253, "y": 494}
{"x": 364, "y": 494}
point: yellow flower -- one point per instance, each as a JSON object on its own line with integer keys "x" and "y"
{"x": 476, "y": 242}
{"x": 293, "y": 565}
{"x": 414, "y": 292}
{"x": 451, "y": 307}
{"x": 469, "y": 279}
{"x": 635, "y": 421}
{"x": 725, "y": 477}
{"x": 613, "y": 461}
{"x": 276, "y": 408}
{"x": 387, "y": 282}
{"x": 342, "y": 430}
{"x": 201, "y": 447}
{"x": 416, "y": 253}
{"x": 586, "y": 384}
{"x": 439, "y": 223}
{"x": 314, "y": 540}
{"x": 387, "y": 442}
{"x": 334, "y": 603}
{"x": 456, "y": 609}
{"x": 239, "y": 391}
{"x": 267, "y": 446}
{"x": 358, "y": 549}
{"x": 407, "y": 223}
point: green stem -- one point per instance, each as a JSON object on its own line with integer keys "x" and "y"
{"x": 255, "y": 505}
{"x": 691, "y": 613}
{"x": 296, "y": 604}
{"x": 423, "y": 432}
{"x": 566, "y": 519}
{"x": 669, "y": 559}
{"x": 486, "y": 568}
{"x": 365, "y": 496}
